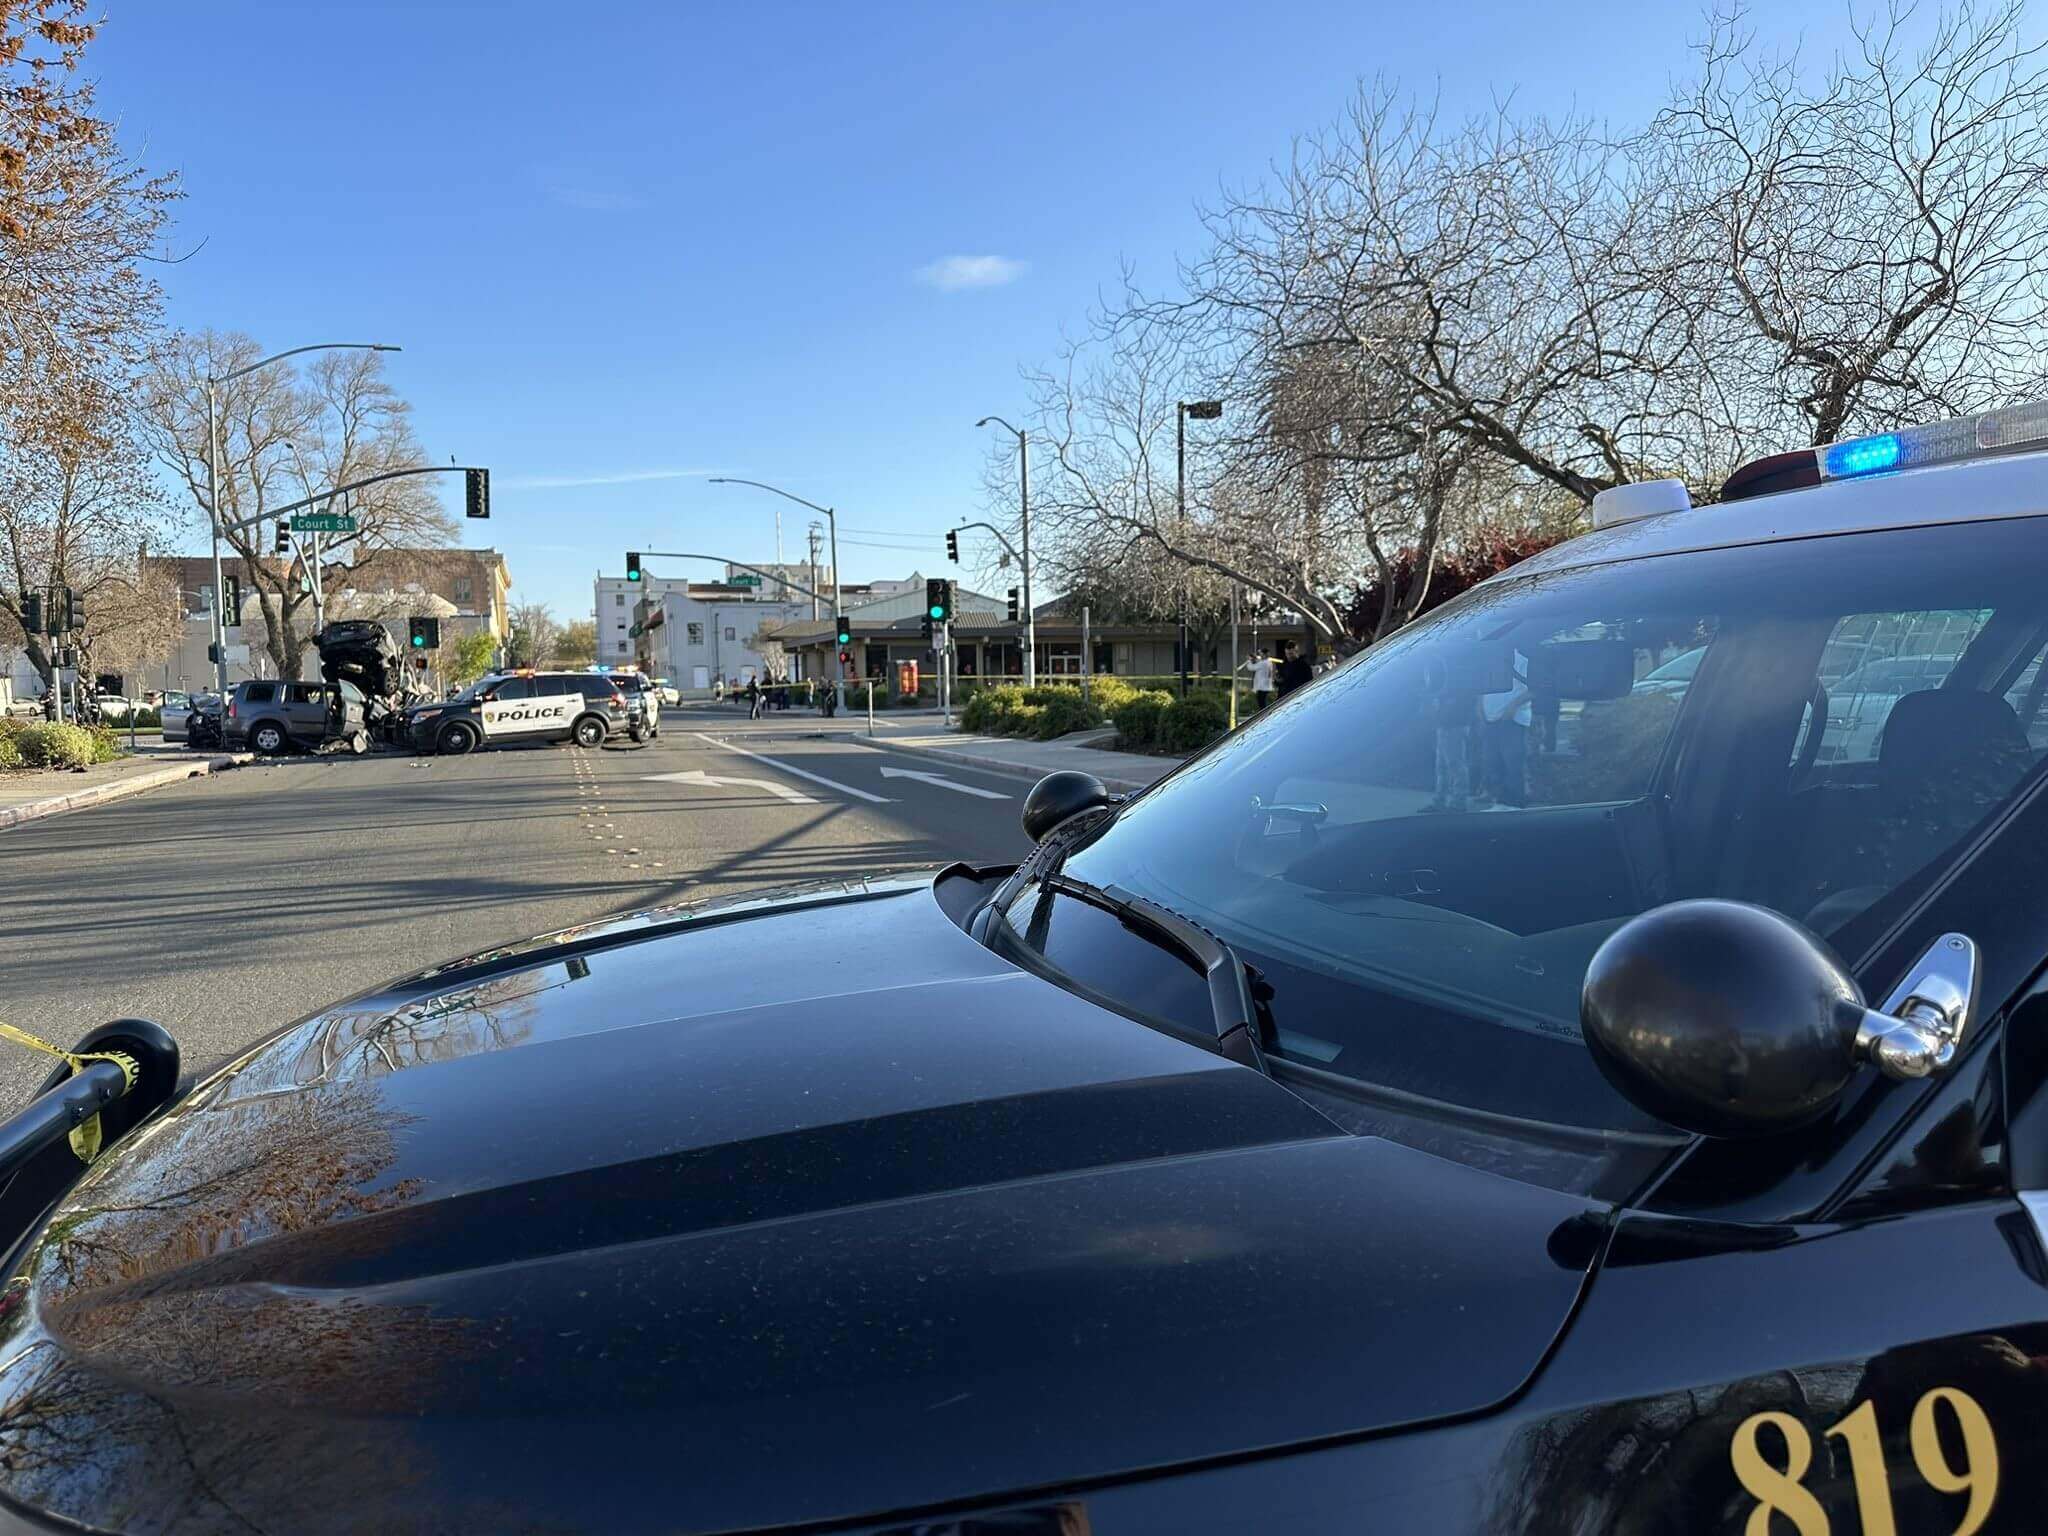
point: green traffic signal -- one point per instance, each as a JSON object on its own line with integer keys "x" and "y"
{"x": 632, "y": 566}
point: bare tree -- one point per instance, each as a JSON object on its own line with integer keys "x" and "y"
{"x": 1869, "y": 247}
{"x": 1105, "y": 483}
{"x": 535, "y": 636}
{"x": 341, "y": 418}
{"x": 77, "y": 505}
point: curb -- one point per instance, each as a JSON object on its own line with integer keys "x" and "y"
{"x": 1113, "y": 781}
{"x": 121, "y": 789}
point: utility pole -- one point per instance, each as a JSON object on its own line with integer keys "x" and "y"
{"x": 1024, "y": 518}
{"x": 813, "y": 535}
{"x": 1201, "y": 410}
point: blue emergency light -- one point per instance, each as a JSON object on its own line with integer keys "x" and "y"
{"x": 1862, "y": 456}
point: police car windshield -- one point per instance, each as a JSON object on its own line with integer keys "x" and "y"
{"x": 1422, "y": 850}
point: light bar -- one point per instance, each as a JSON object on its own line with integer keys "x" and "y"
{"x": 1967, "y": 437}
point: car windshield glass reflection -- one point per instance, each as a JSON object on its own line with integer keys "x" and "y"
{"x": 1423, "y": 850}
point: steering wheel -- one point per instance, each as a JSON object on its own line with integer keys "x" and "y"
{"x": 1809, "y": 749}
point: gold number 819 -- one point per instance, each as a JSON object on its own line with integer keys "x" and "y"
{"x": 1779, "y": 1490}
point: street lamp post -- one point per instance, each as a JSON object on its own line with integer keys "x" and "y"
{"x": 1201, "y": 410}
{"x": 1024, "y": 517}
{"x": 832, "y": 527}
{"x": 310, "y": 548}
{"x": 213, "y": 381}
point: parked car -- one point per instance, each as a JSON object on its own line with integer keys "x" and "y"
{"x": 671, "y": 695}
{"x": 275, "y": 717}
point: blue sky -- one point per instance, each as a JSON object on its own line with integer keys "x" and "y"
{"x": 627, "y": 246}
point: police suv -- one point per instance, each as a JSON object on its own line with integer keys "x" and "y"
{"x": 583, "y": 707}
{"x": 1578, "y": 1068}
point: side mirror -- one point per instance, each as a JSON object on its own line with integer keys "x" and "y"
{"x": 1729, "y": 1020}
{"x": 1058, "y": 796}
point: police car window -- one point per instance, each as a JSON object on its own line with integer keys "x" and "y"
{"x": 1873, "y": 660}
{"x": 515, "y": 688}
{"x": 1421, "y": 850}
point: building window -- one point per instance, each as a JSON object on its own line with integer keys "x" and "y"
{"x": 618, "y": 599}
{"x": 696, "y": 634}
{"x": 624, "y": 648}
{"x": 728, "y": 632}
{"x": 463, "y": 592}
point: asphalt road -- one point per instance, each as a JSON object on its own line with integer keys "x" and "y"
{"x": 227, "y": 906}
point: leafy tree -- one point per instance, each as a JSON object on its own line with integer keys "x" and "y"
{"x": 578, "y": 644}
{"x": 473, "y": 656}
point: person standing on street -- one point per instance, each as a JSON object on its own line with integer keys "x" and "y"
{"x": 1261, "y": 666}
{"x": 1294, "y": 669}
{"x": 754, "y": 698}
{"x": 718, "y": 689}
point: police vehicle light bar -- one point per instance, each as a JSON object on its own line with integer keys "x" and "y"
{"x": 1967, "y": 437}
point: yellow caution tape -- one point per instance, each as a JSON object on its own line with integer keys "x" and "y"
{"x": 85, "y": 1137}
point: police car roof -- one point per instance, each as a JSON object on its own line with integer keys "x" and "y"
{"x": 1959, "y": 491}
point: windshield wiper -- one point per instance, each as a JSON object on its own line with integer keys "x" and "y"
{"x": 1230, "y": 980}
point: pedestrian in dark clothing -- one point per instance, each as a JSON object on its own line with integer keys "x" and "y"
{"x": 1294, "y": 669}
{"x": 754, "y": 698}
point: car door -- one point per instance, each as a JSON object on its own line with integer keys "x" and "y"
{"x": 506, "y": 711}
{"x": 305, "y": 711}
{"x": 1845, "y": 1328}
{"x": 556, "y": 702}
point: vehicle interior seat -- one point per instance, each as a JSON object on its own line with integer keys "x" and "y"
{"x": 1946, "y": 758}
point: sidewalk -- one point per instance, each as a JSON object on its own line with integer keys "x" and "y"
{"x": 1120, "y": 771}
{"x": 32, "y": 796}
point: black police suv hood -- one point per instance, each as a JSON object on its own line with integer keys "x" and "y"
{"x": 814, "y": 1216}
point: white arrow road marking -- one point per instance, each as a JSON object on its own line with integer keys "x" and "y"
{"x": 699, "y": 776}
{"x": 933, "y": 778}
{"x": 802, "y": 773}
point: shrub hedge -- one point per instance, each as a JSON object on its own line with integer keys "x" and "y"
{"x": 46, "y": 744}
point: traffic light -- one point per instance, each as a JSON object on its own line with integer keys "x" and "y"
{"x": 845, "y": 658}
{"x": 425, "y": 634}
{"x": 1014, "y": 605}
{"x": 953, "y": 545}
{"x": 32, "y": 612}
{"x": 284, "y": 536}
{"x": 938, "y": 599}
{"x": 632, "y": 565}
{"x": 231, "y": 613}
{"x": 476, "y": 493}
{"x": 845, "y": 630}
{"x": 70, "y": 616}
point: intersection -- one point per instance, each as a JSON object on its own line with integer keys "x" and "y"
{"x": 226, "y": 907}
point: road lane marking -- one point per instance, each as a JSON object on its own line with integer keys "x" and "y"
{"x": 802, "y": 773}
{"x": 699, "y": 777}
{"x": 942, "y": 782}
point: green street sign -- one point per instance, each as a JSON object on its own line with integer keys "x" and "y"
{"x": 323, "y": 522}
{"x": 746, "y": 581}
